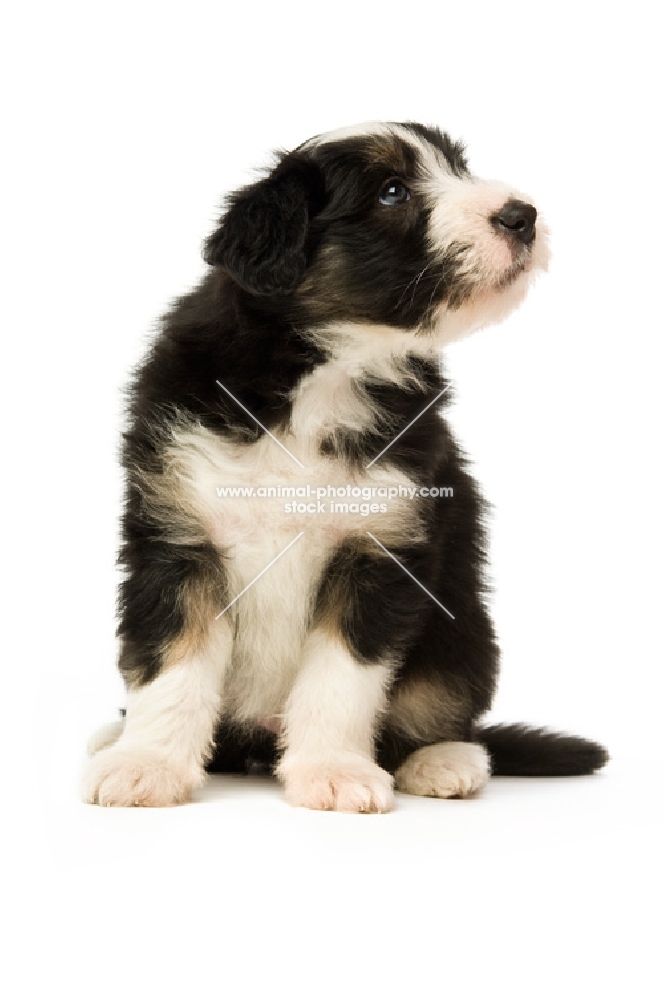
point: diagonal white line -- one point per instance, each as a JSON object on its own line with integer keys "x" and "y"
{"x": 415, "y": 419}
{"x": 428, "y": 592}
{"x": 278, "y": 556}
{"x": 257, "y": 421}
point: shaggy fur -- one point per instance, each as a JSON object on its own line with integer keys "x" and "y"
{"x": 345, "y": 642}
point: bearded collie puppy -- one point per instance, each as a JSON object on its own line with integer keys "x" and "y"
{"x": 303, "y": 543}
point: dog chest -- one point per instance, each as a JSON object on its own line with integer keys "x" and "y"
{"x": 276, "y": 525}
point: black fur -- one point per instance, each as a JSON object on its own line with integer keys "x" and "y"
{"x": 262, "y": 239}
{"x": 522, "y": 750}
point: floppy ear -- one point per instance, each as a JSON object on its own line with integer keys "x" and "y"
{"x": 262, "y": 238}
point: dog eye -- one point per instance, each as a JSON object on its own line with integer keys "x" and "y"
{"x": 394, "y": 192}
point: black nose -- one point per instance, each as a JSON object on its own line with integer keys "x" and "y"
{"x": 517, "y": 218}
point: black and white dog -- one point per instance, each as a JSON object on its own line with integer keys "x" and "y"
{"x": 292, "y": 594}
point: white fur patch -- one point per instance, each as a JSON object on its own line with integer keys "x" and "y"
{"x": 106, "y": 736}
{"x": 462, "y": 209}
{"x": 345, "y": 783}
{"x": 445, "y": 771}
{"x": 329, "y": 725}
{"x": 137, "y": 776}
{"x": 159, "y": 757}
{"x": 329, "y": 396}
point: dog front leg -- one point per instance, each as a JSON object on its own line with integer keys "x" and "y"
{"x": 329, "y": 728}
{"x": 174, "y": 659}
{"x": 160, "y": 756}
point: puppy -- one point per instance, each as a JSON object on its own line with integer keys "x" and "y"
{"x": 303, "y": 545}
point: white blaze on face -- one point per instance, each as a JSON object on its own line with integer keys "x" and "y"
{"x": 496, "y": 271}
{"x": 462, "y": 209}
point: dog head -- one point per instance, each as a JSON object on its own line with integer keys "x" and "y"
{"x": 381, "y": 224}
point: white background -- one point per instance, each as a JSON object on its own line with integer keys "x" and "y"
{"x": 124, "y": 125}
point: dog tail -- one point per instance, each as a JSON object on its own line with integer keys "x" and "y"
{"x": 529, "y": 752}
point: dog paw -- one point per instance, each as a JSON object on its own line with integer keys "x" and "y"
{"x": 349, "y": 784}
{"x": 126, "y": 776}
{"x": 105, "y": 737}
{"x": 445, "y": 771}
